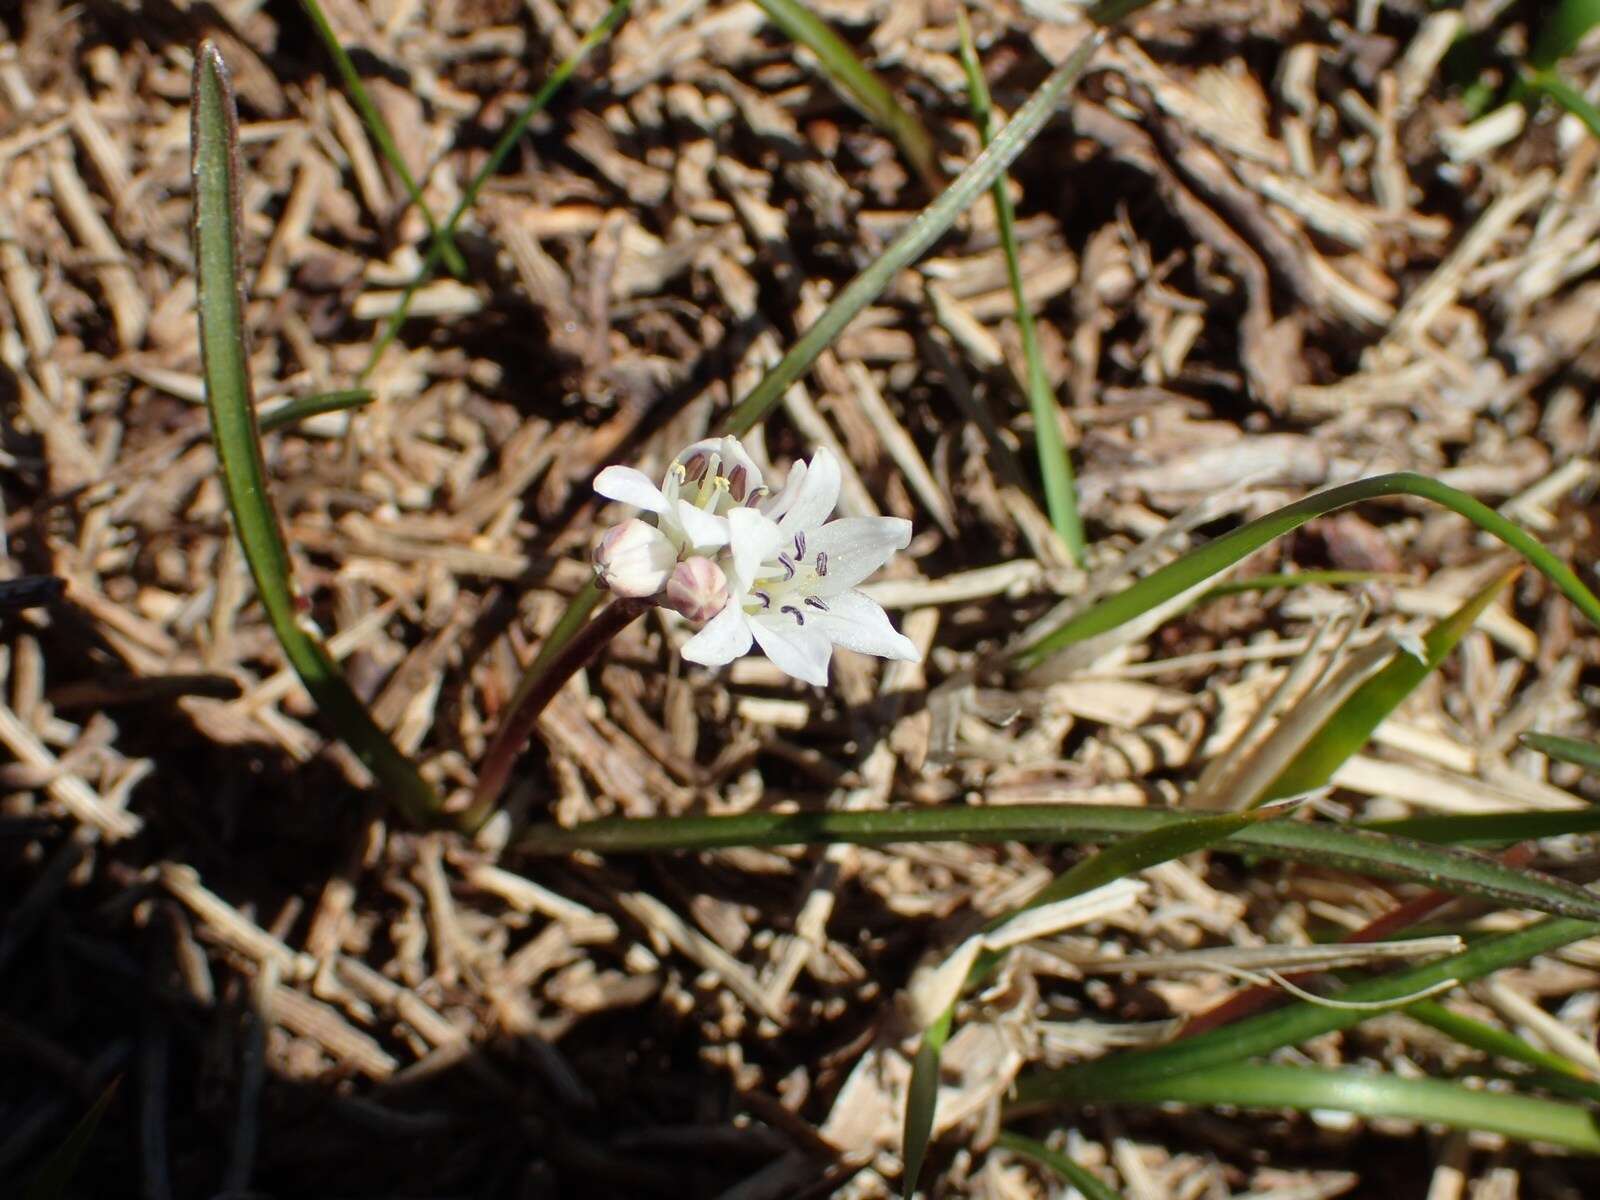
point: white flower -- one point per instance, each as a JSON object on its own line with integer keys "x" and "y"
{"x": 634, "y": 559}
{"x": 703, "y": 484}
{"x": 792, "y": 580}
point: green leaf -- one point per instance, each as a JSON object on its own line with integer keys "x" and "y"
{"x": 1080, "y": 1178}
{"x": 857, "y": 81}
{"x": 379, "y": 129}
{"x": 1295, "y": 1023}
{"x": 1348, "y": 729}
{"x": 306, "y": 407}
{"x": 51, "y": 1180}
{"x": 1342, "y": 847}
{"x": 1559, "y": 36}
{"x": 226, "y": 366}
{"x": 1565, "y": 749}
{"x": 1055, "y": 465}
{"x": 921, "y": 233}
{"x": 1215, "y": 557}
{"x": 497, "y": 157}
{"x": 1491, "y": 1040}
{"x": 1370, "y": 1094}
{"x": 1553, "y": 86}
{"x": 1118, "y": 861}
{"x": 1491, "y": 829}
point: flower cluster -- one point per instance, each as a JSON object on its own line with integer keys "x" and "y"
{"x": 755, "y": 567}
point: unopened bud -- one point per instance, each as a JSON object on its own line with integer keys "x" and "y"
{"x": 634, "y": 559}
{"x": 698, "y": 589}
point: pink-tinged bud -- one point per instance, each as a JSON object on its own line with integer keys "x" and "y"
{"x": 634, "y": 559}
{"x": 698, "y": 589}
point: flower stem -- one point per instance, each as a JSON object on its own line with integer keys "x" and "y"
{"x": 523, "y": 715}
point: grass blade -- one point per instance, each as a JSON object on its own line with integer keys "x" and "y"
{"x": 1551, "y": 85}
{"x": 497, "y": 157}
{"x": 53, "y": 1180}
{"x": 1480, "y": 1035}
{"x": 1491, "y": 829}
{"x": 1348, "y": 729}
{"x": 858, "y": 81}
{"x": 226, "y": 366}
{"x": 1055, "y": 465}
{"x": 929, "y": 225}
{"x": 1293, "y": 1024}
{"x": 1559, "y": 36}
{"x": 1077, "y": 1177}
{"x": 1565, "y": 749}
{"x": 1370, "y": 1094}
{"x": 1118, "y": 861}
{"x": 307, "y": 407}
{"x": 1341, "y": 847}
{"x": 1214, "y": 557}
{"x": 379, "y": 129}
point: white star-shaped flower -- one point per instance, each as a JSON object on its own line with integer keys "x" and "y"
{"x": 792, "y": 578}
{"x": 704, "y": 483}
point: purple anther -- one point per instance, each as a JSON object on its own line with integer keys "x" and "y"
{"x": 799, "y": 617}
{"x": 822, "y": 562}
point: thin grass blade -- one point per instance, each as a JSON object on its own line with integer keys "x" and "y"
{"x": 1490, "y": 829}
{"x": 1567, "y": 25}
{"x": 307, "y": 407}
{"x": 1355, "y": 721}
{"x": 381, "y": 134}
{"x": 497, "y": 157}
{"x": 1553, "y": 86}
{"x": 1293, "y": 1024}
{"x": 53, "y": 1179}
{"x": 1372, "y": 1094}
{"x": 859, "y": 82}
{"x": 1214, "y": 557}
{"x": 1565, "y": 749}
{"x": 1341, "y": 847}
{"x": 1055, "y": 464}
{"x": 225, "y": 361}
{"x": 1077, "y": 1177}
{"x": 1480, "y": 1035}
{"x": 928, "y": 226}
{"x": 922, "y": 1098}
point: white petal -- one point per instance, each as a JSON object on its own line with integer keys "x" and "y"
{"x": 857, "y": 622}
{"x": 754, "y": 539}
{"x": 798, "y": 650}
{"x": 856, "y": 547}
{"x": 817, "y": 494}
{"x": 776, "y": 506}
{"x": 704, "y": 530}
{"x": 734, "y": 455}
{"x": 631, "y": 487}
{"x": 725, "y": 637}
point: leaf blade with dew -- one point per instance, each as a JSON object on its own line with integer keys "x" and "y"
{"x": 919, "y": 234}
{"x": 1565, "y": 749}
{"x": 226, "y": 370}
{"x": 1076, "y": 1176}
{"x": 379, "y": 129}
{"x": 53, "y": 1179}
{"x": 303, "y": 409}
{"x": 1297, "y": 1022}
{"x": 1354, "y": 722}
{"x": 1341, "y": 847}
{"x": 859, "y": 82}
{"x": 1118, "y": 861}
{"x": 1371, "y": 1094}
{"x": 1214, "y": 557}
{"x": 1055, "y": 464}
{"x": 603, "y": 28}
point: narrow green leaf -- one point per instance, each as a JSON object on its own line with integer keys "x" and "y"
{"x": 1293, "y": 1024}
{"x": 1081, "y": 1178}
{"x": 53, "y": 1179}
{"x": 1492, "y": 1040}
{"x": 225, "y": 362}
{"x": 1565, "y": 749}
{"x": 1055, "y": 464}
{"x": 306, "y": 407}
{"x": 1563, "y": 29}
{"x": 922, "y": 1098}
{"x": 1341, "y": 847}
{"x": 1491, "y": 829}
{"x": 1117, "y": 861}
{"x": 1348, "y": 729}
{"x": 1370, "y": 1094}
{"x": 379, "y": 129}
{"x": 1551, "y": 85}
{"x": 497, "y": 157}
{"x": 921, "y": 233}
{"x": 858, "y": 81}
{"x": 1215, "y": 557}
{"x": 1293, "y": 579}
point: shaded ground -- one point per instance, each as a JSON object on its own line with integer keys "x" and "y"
{"x": 1269, "y": 253}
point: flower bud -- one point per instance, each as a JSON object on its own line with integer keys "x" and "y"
{"x": 634, "y": 559}
{"x": 698, "y": 589}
